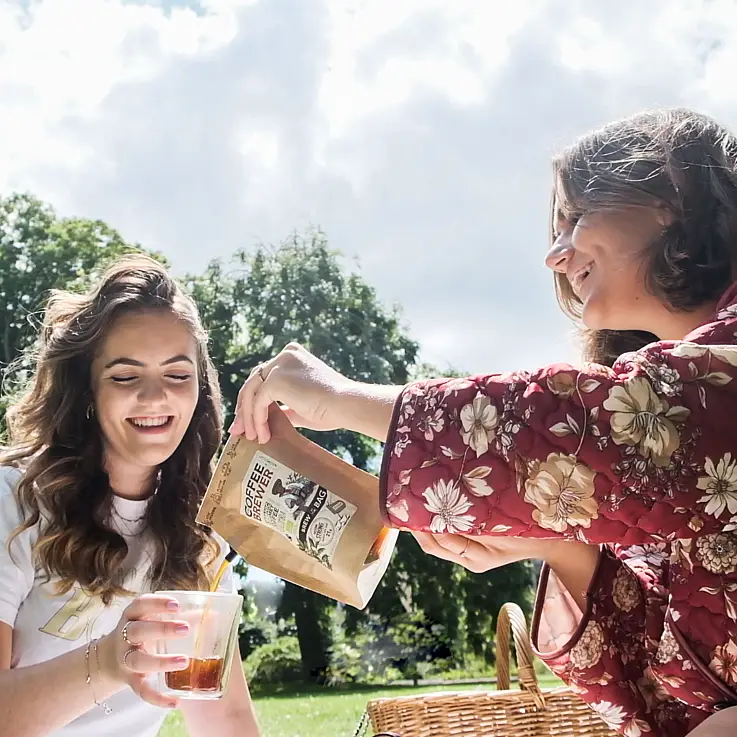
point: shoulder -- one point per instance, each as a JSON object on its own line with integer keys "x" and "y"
{"x": 714, "y": 339}
{"x": 9, "y": 503}
{"x": 9, "y": 478}
{"x": 13, "y": 513}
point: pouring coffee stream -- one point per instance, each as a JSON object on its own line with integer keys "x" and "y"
{"x": 229, "y": 558}
{"x": 203, "y": 674}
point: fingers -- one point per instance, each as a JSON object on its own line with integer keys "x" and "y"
{"x": 145, "y": 690}
{"x": 441, "y": 546}
{"x": 261, "y": 401}
{"x": 246, "y": 422}
{"x": 294, "y": 377}
{"x": 458, "y": 549}
{"x": 243, "y": 423}
{"x": 141, "y": 662}
{"x": 237, "y": 427}
{"x": 140, "y": 631}
{"x": 147, "y": 605}
{"x": 130, "y": 651}
{"x": 456, "y": 544}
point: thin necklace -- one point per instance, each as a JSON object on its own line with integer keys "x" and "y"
{"x": 138, "y": 519}
{"x": 128, "y": 519}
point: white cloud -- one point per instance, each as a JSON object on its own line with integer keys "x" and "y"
{"x": 61, "y": 62}
{"x": 417, "y": 133}
{"x": 378, "y": 61}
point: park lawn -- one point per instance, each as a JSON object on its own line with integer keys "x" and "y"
{"x": 317, "y": 713}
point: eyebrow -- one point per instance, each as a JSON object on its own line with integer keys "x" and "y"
{"x": 122, "y": 361}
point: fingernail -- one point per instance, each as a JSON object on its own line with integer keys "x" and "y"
{"x": 172, "y": 604}
{"x": 182, "y": 629}
{"x": 181, "y": 660}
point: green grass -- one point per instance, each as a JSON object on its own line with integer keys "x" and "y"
{"x": 323, "y": 712}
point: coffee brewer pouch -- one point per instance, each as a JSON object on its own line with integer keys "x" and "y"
{"x": 301, "y": 513}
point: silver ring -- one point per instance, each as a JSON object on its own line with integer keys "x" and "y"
{"x": 260, "y": 372}
{"x": 464, "y": 552}
{"x": 124, "y": 633}
{"x": 125, "y": 657}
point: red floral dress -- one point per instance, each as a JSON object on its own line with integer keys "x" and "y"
{"x": 640, "y": 459}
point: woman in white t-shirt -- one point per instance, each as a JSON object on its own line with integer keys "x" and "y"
{"x": 110, "y": 454}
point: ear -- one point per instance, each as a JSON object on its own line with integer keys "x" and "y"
{"x": 664, "y": 215}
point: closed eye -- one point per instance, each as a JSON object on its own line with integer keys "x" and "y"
{"x": 129, "y": 379}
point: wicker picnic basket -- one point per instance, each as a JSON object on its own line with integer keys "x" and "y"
{"x": 528, "y": 712}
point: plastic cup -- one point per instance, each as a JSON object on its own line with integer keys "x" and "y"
{"x": 213, "y": 619}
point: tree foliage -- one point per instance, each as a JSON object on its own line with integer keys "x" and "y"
{"x": 253, "y": 305}
{"x": 302, "y": 291}
{"x": 40, "y": 251}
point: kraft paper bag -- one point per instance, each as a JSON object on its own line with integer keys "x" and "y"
{"x": 301, "y": 513}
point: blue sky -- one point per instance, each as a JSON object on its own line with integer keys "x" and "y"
{"x": 417, "y": 134}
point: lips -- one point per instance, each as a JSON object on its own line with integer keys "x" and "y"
{"x": 147, "y": 423}
{"x": 578, "y": 277}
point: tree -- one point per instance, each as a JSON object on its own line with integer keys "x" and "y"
{"x": 302, "y": 291}
{"x": 38, "y": 252}
{"x": 299, "y": 290}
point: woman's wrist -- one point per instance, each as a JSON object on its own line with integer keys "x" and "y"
{"x": 110, "y": 672}
{"x": 367, "y": 408}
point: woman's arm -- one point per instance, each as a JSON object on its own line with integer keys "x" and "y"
{"x": 231, "y": 716}
{"x": 628, "y": 455}
{"x": 631, "y": 455}
{"x": 39, "y": 699}
{"x": 721, "y": 724}
{"x": 312, "y": 395}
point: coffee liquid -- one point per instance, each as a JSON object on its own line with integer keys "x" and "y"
{"x": 202, "y": 674}
{"x": 377, "y": 548}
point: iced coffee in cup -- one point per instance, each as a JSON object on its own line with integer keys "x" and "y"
{"x": 213, "y": 619}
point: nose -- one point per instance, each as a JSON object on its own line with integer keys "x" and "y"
{"x": 152, "y": 392}
{"x": 560, "y": 254}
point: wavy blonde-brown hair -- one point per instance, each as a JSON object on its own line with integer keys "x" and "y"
{"x": 64, "y": 488}
{"x": 674, "y": 159}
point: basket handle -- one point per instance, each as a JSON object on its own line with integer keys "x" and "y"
{"x": 512, "y": 618}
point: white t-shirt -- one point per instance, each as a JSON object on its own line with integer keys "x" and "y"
{"x": 46, "y": 625}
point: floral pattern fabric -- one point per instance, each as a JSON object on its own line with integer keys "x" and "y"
{"x": 640, "y": 458}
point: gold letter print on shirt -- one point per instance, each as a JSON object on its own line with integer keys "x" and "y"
{"x": 70, "y": 622}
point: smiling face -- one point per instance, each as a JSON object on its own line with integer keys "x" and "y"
{"x": 604, "y": 257}
{"x": 145, "y": 388}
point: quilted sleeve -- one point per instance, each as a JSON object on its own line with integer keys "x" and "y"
{"x": 638, "y": 453}
{"x": 612, "y": 654}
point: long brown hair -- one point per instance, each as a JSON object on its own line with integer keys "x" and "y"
{"x": 674, "y": 159}
{"x": 64, "y": 487}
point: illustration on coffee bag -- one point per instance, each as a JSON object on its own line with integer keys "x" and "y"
{"x": 305, "y": 513}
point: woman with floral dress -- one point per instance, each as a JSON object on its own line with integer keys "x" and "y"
{"x": 621, "y": 473}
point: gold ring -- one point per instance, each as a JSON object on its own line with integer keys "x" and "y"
{"x": 125, "y": 657}
{"x": 464, "y": 552}
{"x": 124, "y": 633}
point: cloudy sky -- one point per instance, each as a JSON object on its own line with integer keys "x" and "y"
{"x": 416, "y": 133}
